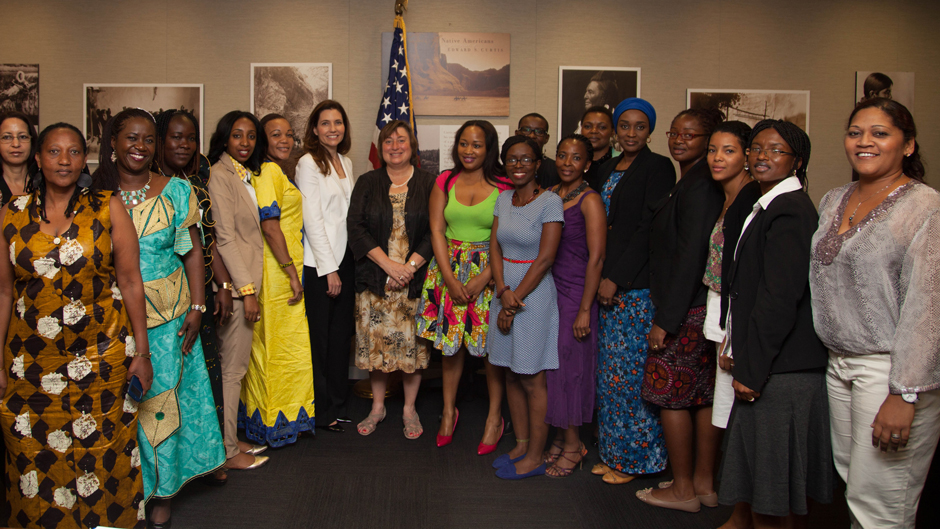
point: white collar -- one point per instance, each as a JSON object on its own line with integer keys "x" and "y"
{"x": 788, "y": 184}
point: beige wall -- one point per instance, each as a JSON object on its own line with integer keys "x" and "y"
{"x": 814, "y": 45}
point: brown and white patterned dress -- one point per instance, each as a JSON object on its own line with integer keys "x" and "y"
{"x": 385, "y": 326}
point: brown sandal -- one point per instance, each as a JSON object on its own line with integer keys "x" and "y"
{"x": 556, "y": 471}
{"x": 367, "y": 426}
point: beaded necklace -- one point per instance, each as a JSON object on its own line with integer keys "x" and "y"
{"x": 132, "y": 198}
{"x": 571, "y": 194}
{"x": 515, "y": 197}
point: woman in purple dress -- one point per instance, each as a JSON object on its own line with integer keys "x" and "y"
{"x": 577, "y": 272}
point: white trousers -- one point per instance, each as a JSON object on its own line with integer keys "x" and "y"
{"x": 882, "y": 488}
{"x": 724, "y": 392}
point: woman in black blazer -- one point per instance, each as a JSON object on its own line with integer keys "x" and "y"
{"x": 679, "y": 375}
{"x": 778, "y": 448}
{"x": 629, "y": 433}
{"x": 390, "y": 238}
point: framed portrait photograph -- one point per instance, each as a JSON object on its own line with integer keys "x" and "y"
{"x": 103, "y": 101}
{"x": 291, "y": 90}
{"x": 19, "y": 90}
{"x": 898, "y": 86}
{"x": 582, "y": 87}
{"x": 751, "y": 106}
{"x": 456, "y": 74}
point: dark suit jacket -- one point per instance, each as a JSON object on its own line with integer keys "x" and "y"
{"x": 679, "y": 235}
{"x": 771, "y": 314}
{"x": 369, "y": 223}
{"x": 734, "y": 220}
{"x": 642, "y": 186}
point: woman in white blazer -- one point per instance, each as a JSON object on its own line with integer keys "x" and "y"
{"x": 325, "y": 178}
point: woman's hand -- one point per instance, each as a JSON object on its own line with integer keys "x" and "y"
{"x": 657, "y": 337}
{"x": 892, "y": 427}
{"x": 510, "y": 300}
{"x": 223, "y": 306}
{"x": 333, "y": 284}
{"x": 191, "y": 329}
{"x": 473, "y": 287}
{"x": 252, "y": 310}
{"x": 298, "y": 289}
{"x": 607, "y": 292}
{"x": 141, "y": 367}
{"x": 3, "y": 383}
{"x": 504, "y": 320}
{"x": 459, "y": 294}
{"x": 726, "y": 362}
{"x": 398, "y": 272}
{"x": 582, "y": 324}
{"x": 743, "y": 392}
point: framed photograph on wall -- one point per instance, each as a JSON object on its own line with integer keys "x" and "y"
{"x": 751, "y": 106}
{"x": 456, "y": 74}
{"x": 19, "y": 90}
{"x": 436, "y": 143}
{"x": 291, "y": 90}
{"x": 581, "y": 87}
{"x": 898, "y": 86}
{"x": 103, "y": 101}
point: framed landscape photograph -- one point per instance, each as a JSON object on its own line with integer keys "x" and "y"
{"x": 581, "y": 87}
{"x": 751, "y": 106}
{"x": 19, "y": 90}
{"x": 456, "y": 74}
{"x": 291, "y": 90}
{"x": 103, "y": 101}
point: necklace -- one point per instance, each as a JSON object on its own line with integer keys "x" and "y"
{"x": 132, "y": 198}
{"x": 515, "y": 197}
{"x": 403, "y": 184}
{"x": 860, "y": 202}
{"x": 571, "y": 194}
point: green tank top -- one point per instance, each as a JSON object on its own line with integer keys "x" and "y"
{"x": 469, "y": 223}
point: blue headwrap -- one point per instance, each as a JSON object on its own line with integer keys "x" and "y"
{"x": 635, "y": 103}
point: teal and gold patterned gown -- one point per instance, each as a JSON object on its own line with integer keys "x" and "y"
{"x": 178, "y": 431}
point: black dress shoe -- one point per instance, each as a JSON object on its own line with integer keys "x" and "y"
{"x": 344, "y": 419}
{"x": 337, "y": 427}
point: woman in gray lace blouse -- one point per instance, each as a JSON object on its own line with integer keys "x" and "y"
{"x": 875, "y": 279}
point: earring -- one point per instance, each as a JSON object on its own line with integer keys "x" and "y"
{"x": 793, "y": 173}
{"x": 746, "y": 168}
{"x": 84, "y": 181}
{"x": 649, "y": 139}
{"x": 113, "y": 157}
{"x": 37, "y": 179}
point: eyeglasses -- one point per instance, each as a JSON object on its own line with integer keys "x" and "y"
{"x": 756, "y": 150}
{"x": 520, "y": 161}
{"x": 8, "y": 138}
{"x": 684, "y": 135}
{"x": 530, "y": 130}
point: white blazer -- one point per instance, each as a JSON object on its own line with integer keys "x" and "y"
{"x": 326, "y": 203}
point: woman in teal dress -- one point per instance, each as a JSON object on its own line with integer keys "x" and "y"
{"x": 178, "y": 433}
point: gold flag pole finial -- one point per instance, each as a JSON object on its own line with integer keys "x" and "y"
{"x": 400, "y": 7}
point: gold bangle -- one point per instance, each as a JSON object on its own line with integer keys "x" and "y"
{"x": 247, "y": 290}
{"x": 227, "y": 286}
{"x": 141, "y": 355}
{"x": 287, "y": 264}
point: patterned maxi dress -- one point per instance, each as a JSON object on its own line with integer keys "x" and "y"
{"x": 72, "y": 458}
{"x": 630, "y": 436}
{"x": 277, "y": 393}
{"x": 179, "y": 432}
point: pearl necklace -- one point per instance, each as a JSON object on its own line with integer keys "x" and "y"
{"x": 132, "y": 198}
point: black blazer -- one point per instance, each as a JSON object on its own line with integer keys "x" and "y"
{"x": 593, "y": 175}
{"x": 679, "y": 235}
{"x": 734, "y": 220}
{"x": 642, "y": 186}
{"x": 772, "y": 318}
{"x": 369, "y": 223}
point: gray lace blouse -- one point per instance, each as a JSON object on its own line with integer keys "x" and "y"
{"x": 876, "y": 287}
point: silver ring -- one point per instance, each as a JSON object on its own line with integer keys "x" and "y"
{"x": 750, "y": 399}
{"x": 895, "y": 436}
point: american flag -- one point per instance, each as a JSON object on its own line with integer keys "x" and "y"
{"x": 396, "y": 101}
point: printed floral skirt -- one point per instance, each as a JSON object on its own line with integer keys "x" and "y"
{"x": 682, "y": 375}
{"x": 448, "y": 325}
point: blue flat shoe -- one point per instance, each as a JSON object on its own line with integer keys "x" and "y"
{"x": 504, "y": 460}
{"x": 509, "y": 472}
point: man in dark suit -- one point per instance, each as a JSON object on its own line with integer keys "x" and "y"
{"x": 535, "y": 126}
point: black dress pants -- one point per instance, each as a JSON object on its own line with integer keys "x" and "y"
{"x": 331, "y": 322}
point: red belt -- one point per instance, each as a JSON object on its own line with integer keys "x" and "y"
{"x": 515, "y": 261}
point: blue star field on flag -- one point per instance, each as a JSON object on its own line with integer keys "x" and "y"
{"x": 396, "y": 101}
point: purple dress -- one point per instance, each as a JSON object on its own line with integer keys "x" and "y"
{"x": 571, "y": 386}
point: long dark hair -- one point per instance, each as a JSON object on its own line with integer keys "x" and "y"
{"x": 901, "y": 118}
{"x": 31, "y": 166}
{"x": 312, "y": 144}
{"x": 39, "y": 180}
{"x": 106, "y": 176}
{"x": 163, "y": 128}
{"x": 219, "y": 141}
{"x": 492, "y": 167}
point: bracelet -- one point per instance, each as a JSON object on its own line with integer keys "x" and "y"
{"x": 141, "y": 355}
{"x": 287, "y": 264}
{"x": 227, "y": 286}
{"x": 502, "y": 291}
{"x": 247, "y": 290}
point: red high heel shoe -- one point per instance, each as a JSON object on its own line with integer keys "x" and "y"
{"x": 444, "y": 440}
{"x": 484, "y": 449}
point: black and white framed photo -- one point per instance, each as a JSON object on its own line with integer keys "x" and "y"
{"x": 291, "y": 90}
{"x": 19, "y": 90}
{"x": 898, "y": 86}
{"x": 751, "y": 106}
{"x": 103, "y": 101}
{"x": 582, "y": 87}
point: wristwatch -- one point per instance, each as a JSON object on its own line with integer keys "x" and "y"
{"x": 413, "y": 263}
{"x": 200, "y": 308}
{"x": 909, "y": 398}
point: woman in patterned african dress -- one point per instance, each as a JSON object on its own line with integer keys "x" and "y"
{"x": 179, "y": 434}
{"x": 72, "y": 303}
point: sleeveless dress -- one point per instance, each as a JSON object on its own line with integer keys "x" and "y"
{"x": 532, "y": 343}
{"x": 71, "y": 436}
{"x": 179, "y": 432}
{"x": 277, "y": 393}
{"x": 571, "y": 386}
